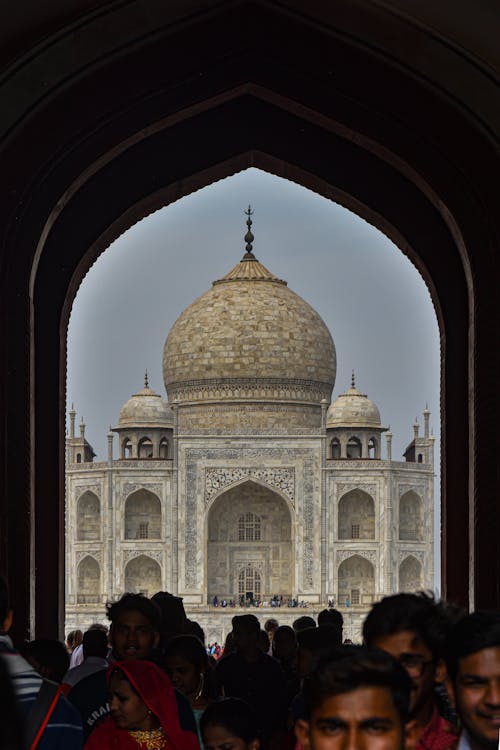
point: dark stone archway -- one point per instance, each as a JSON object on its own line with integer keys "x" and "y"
{"x": 138, "y": 117}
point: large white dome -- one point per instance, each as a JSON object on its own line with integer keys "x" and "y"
{"x": 249, "y": 337}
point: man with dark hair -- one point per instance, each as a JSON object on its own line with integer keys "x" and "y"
{"x": 173, "y": 617}
{"x": 95, "y": 651}
{"x": 284, "y": 650}
{"x": 313, "y": 644}
{"x": 42, "y": 705}
{"x": 413, "y": 629}
{"x": 47, "y": 657}
{"x": 356, "y": 698}
{"x": 256, "y": 677}
{"x": 331, "y": 618}
{"x": 303, "y": 623}
{"x": 473, "y": 661}
{"x": 135, "y": 627}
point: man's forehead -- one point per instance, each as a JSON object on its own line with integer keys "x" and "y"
{"x": 401, "y": 641}
{"x": 362, "y": 702}
{"x": 483, "y": 663}
{"x": 132, "y": 617}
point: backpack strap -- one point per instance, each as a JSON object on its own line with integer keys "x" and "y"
{"x": 40, "y": 712}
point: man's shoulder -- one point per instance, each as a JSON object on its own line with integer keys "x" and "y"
{"x": 439, "y": 734}
{"x": 228, "y": 661}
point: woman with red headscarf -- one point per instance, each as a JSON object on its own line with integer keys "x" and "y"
{"x": 144, "y": 712}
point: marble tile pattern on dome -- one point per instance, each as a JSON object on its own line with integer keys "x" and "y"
{"x": 248, "y": 479}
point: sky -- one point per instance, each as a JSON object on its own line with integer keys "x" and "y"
{"x": 371, "y": 297}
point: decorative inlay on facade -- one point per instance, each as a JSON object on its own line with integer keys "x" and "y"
{"x": 83, "y": 488}
{"x": 281, "y": 478}
{"x": 344, "y": 487}
{"x": 369, "y": 554}
{"x": 373, "y": 463}
{"x": 404, "y": 553}
{"x": 309, "y": 551}
{"x": 418, "y": 488}
{"x": 146, "y": 463}
{"x": 80, "y": 554}
{"x": 256, "y": 564}
{"x": 249, "y": 388}
{"x": 129, "y": 554}
{"x": 130, "y": 487}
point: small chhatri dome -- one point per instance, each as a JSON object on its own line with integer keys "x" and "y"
{"x": 353, "y": 409}
{"x": 249, "y": 337}
{"x": 146, "y": 408}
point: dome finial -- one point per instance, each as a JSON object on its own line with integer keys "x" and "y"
{"x": 353, "y": 380}
{"x": 146, "y": 380}
{"x": 249, "y": 238}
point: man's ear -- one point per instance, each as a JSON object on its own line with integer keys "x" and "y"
{"x": 7, "y": 623}
{"x": 412, "y": 734}
{"x": 156, "y": 640}
{"x": 302, "y": 732}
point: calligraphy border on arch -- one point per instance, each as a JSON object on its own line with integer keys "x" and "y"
{"x": 283, "y": 478}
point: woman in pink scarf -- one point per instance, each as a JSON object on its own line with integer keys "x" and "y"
{"x": 144, "y": 712}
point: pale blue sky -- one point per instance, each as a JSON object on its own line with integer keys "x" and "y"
{"x": 369, "y": 294}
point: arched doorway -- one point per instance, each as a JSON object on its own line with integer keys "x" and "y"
{"x": 403, "y": 170}
{"x": 249, "y": 543}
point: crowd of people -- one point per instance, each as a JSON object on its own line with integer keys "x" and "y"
{"x": 255, "y": 601}
{"x": 426, "y": 677}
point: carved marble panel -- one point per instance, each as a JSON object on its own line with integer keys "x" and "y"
{"x": 130, "y": 487}
{"x": 281, "y": 478}
{"x": 344, "y": 554}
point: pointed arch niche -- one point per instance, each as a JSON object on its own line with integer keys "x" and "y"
{"x": 88, "y": 517}
{"x": 249, "y": 537}
{"x": 356, "y": 581}
{"x": 142, "y": 515}
{"x": 356, "y": 515}
{"x": 142, "y": 576}
{"x": 410, "y": 574}
{"x": 411, "y": 517}
{"x": 89, "y": 581}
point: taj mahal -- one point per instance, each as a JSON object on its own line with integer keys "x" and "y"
{"x": 248, "y": 481}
